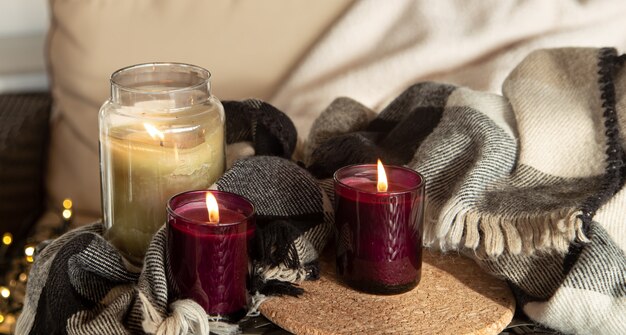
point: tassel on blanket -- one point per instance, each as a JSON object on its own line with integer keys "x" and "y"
{"x": 294, "y": 221}
{"x": 187, "y": 317}
{"x": 459, "y": 227}
{"x": 274, "y": 244}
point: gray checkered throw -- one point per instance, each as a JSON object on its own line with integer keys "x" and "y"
{"x": 80, "y": 284}
{"x": 529, "y": 183}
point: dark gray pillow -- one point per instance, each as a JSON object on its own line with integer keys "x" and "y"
{"x": 23, "y": 145}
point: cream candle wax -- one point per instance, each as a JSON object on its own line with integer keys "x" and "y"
{"x": 153, "y": 149}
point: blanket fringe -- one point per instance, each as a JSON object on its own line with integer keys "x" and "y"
{"x": 187, "y": 317}
{"x": 219, "y": 327}
{"x": 454, "y": 226}
{"x": 283, "y": 273}
{"x": 255, "y": 302}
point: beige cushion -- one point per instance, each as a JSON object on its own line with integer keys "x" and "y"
{"x": 249, "y": 47}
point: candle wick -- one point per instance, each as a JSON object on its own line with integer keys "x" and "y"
{"x": 161, "y": 143}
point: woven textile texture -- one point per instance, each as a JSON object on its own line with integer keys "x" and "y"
{"x": 103, "y": 294}
{"x": 528, "y": 183}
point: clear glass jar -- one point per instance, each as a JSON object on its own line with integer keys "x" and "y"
{"x": 161, "y": 133}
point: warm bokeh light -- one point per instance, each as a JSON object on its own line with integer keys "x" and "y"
{"x": 23, "y": 277}
{"x": 1, "y": 318}
{"x": 4, "y": 292}
{"x": 211, "y": 206}
{"x": 30, "y": 259}
{"x": 382, "y": 178}
{"x": 67, "y": 203}
{"x": 7, "y": 239}
{"x": 67, "y": 214}
{"x": 29, "y": 251}
{"x": 153, "y": 131}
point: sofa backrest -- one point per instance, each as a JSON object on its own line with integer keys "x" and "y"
{"x": 249, "y": 47}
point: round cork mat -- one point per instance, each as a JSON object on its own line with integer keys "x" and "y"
{"x": 454, "y": 297}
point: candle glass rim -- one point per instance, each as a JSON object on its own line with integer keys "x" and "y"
{"x": 204, "y": 75}
{"x": 418, "y": 186}
{"x": 245, "y": 218}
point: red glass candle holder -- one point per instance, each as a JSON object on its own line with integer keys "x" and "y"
{"x": 379, "y": 234}
{"x": 208, "y": 262}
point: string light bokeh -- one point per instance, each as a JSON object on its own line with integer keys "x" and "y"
{"x": 14, "y": 277}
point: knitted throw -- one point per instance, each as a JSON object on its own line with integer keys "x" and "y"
{"x": 529, "y": 184}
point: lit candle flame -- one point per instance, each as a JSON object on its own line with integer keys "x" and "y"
{"x": 211, "y": 206}
{"x": 382, "y": 178}
{"x": 153, "y": 132}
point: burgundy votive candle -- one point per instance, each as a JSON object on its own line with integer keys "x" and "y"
{"x": 379, "y": 231}
{"x": 207, "y": 255}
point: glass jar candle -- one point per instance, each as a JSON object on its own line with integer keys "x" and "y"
{"x": 207, "y": 256}
{"x": 379, "y": 242}
{"x": 161, "y": 133}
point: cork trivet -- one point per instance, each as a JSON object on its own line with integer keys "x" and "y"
{"x": 454, "y": 297}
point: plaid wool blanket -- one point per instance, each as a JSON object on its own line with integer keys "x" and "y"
{"x": 530, "y": 184}
{"x": 80, "y": 284}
